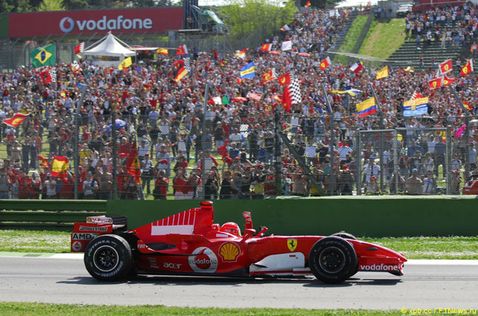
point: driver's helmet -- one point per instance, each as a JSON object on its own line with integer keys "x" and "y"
{"x": 231, "y": 228}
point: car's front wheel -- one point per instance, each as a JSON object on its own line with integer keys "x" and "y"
{"x": 109, "y": 258}
{"x": 332, "y": 260}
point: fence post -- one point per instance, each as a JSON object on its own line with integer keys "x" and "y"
{"x": 395, "y": 159}
{"x": 447, "y": 165}
{"x": 277, "y": 152}
{"x": 358, "y": 159}
{"x": 114, "y": 153}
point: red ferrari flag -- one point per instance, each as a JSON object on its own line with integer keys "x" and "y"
{"x": 447, "y": 81}
{"x": 468, "y": 106}
{"x": 284, "y": 80}
{"x": 266, "y": 47}
{"x": 268, "y": 76}
{"x": 446, "y": 66}
{"x": 435, "y": 83}
{"x": 45, "y": 76}
{"x": 287, "y": 99}
{"x": 59, "y": 166}
{"x": 182, "y": 50}
{"x": 16, "y": 120}
{"x": 325, "y": 63}
{"x": 467, "y": 69}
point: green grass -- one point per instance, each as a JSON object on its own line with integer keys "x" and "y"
{"x": 87, "y": 310}
{"x": 413, "y": 247}
{"x": 383, "y": 38}
{"x": 351, "y": 37}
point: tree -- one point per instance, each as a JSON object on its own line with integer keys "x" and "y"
{"x": 75, "y": 4}
{"x": 262, "y": 17}
{"x": 51, "y": 5}
{"x": 15, "y": 6}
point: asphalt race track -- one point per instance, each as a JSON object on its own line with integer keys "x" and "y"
{"x": 426, "y": 284}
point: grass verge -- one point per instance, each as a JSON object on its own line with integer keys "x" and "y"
{"x": 87, "y": 310}
{"x": 34, "y": 241}
{"x": 383, "y": 38}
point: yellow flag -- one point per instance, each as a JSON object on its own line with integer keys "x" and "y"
{"x": 162, "y": 51}
{"x": 125, "y": 63}
{"x": 382, "y": 73}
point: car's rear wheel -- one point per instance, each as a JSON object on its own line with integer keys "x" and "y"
{"x": 109, "y": 258}
{"x": 332, "y": 260}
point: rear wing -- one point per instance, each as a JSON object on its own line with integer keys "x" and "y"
{"x": 94, "y": 226}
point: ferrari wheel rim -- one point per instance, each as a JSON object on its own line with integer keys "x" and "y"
{"x": 105, "y": 259}
{"x": 332, "y": 260}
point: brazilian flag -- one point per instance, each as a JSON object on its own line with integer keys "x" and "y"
{"x": 44, "y": 56}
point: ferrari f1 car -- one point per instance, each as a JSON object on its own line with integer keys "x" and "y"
{"x": 190, "y": 243}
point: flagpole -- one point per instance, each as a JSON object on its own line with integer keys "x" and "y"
{"x": 467, "y": 131}
{"x": 382, "y": 127}
{"x": 203, "y": 128}
{"x": 332, "y": 140}
{"x": 113, "y": 150}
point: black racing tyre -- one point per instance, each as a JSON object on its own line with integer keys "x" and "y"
{"x": 333, "y": 260}
{"x": 109, "y": 258}
{"x": 345, "y": 235}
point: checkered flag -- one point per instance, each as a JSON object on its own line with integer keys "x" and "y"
{"x": 53, "y": 75}
{"x": 294, "y": 90}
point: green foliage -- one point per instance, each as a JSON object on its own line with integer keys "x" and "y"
{"x": 75, "y": 4}
{"x": 16, "y": 6}
{"x": 351, "y": 38}
{"x": 51, "y": 5}
{"x": 384, "y": 38}
{"x": 259, "y": 17}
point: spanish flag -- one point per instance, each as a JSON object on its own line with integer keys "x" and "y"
{"x": 367, "y": 107}
{"x": 16, "y": 120}
{"x": 125, "y": 63}
{"x": 162, "y": 51}
{"x": 382, "y": 73}
{"x": 59, "y": 166}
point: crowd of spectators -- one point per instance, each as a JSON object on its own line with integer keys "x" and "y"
{"x": 229, "y": 150}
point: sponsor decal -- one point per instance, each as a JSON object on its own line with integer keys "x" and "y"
{"x": 292, "y": 244}
{"x": 68, "y": 24}
{"x": 381, "y": 267}
{"x": 229, "y": 251}
{"x": 172, "y": 266}
{"x": 93, "y": 228}
{"x": 203, "y": 260}
{"x": 83, "y": 236}
{"x": 76, "y": 246}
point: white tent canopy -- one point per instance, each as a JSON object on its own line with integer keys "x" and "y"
{"x": 109, "y": 51}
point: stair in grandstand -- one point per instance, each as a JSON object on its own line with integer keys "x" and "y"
{"x": 341, "y": 35}
{"x": 423, "y": 56}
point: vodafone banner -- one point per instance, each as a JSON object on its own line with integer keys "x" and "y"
{"x": 126, "y": 21}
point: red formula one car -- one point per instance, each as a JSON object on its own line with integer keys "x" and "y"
{"x": 189, "y": 243}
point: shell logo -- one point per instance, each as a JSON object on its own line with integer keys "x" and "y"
{"x": 229, "y": 251}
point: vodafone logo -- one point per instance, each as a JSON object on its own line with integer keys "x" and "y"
{"x": 68, "y": 24}
{"x": 203, "y": 260}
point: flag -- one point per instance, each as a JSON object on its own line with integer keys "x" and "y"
{"x": 382, "y": 73}
{"x": 416, "y": 106}
{"x": 350, "y": 91}
{"x": 460, "y": 131}
{"x": 357, "y": 68}
{"x": 125, "y": 63}
{"x": 78, "y": 49}
{"x": 367, "y": 107}
{"x": 294, "y": 88}
{"x": 241, "y": 53}
{"x": 285, "y": 28}
{"x": 268, "y": 76}
{"x": 46, "y": 76}
{"x": 15, "y": 120}
{"x": 307, "y": 4}
{"x": 446, "y": 66}
{"x": 303, "y": 54}
{"x": 274, "y": 52}
{"x": 409, "y": 69}
{"x": 286, "y": 45}
{"x": 248, "y": 71}
{"x": 182, "y": 50}
{"x": 284, "y": 79}
{"x": 182, "y": 72}
{"x": 468, "y": 106}
{"x": 447, "y": 81}
{"x": 44, "y": 56}
{"x": 435, "y": 83}
{"x": 266, "y": 47}
{"x": 59, "y": 166}
{"x": 132, "y": 164}
{"x": 43, "y": 162}
{"x": 325, "y": 63}
{"x": 286, "y": 99}
{"x": 162, "y": 51}
{"x": 467, "y": 69}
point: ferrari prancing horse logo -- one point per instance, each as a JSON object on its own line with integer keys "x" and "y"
{"x": 291, "y": 244}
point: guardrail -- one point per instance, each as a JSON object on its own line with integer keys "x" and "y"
{"x": 47, "y": 214}
{"x": 373, "y": 216}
